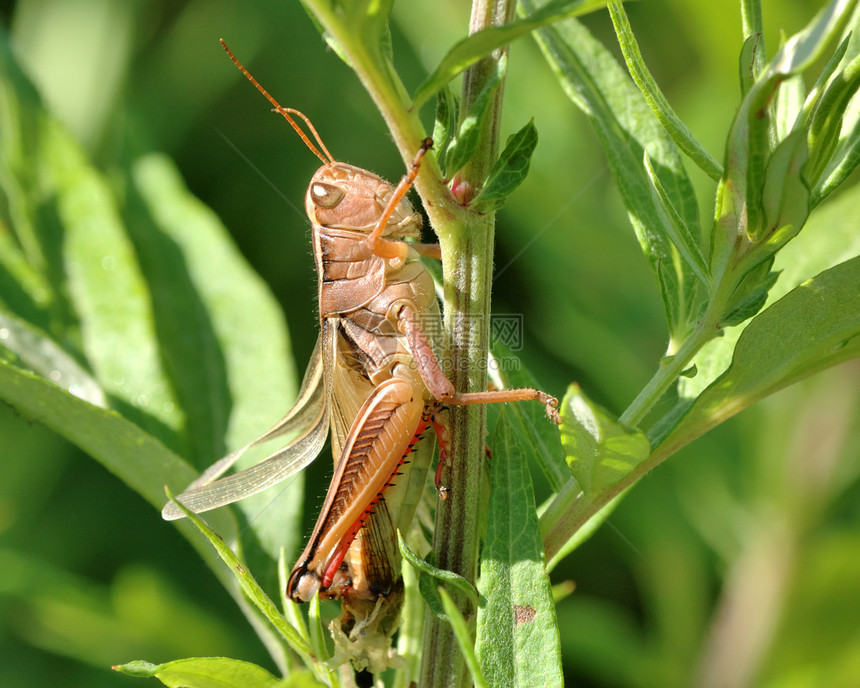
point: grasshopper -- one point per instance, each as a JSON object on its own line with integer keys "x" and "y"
{"x": 373, "y": 380}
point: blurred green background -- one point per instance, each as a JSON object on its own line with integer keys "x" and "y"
{"x": 738, "y": 558}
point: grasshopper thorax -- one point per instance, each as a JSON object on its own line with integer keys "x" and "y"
{"x": 343, "y": 196}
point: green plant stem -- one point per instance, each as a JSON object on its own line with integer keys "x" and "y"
{"x": 724, "y": 281}
{"x": 751, "y": 17}
{"x": 467, "y": 267}
{"x": 668, "y": 372}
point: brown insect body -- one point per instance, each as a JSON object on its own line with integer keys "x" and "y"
{"x": 377, "y": 395}
{"x": 374, "y": 381}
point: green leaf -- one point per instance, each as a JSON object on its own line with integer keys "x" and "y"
{"x": 532, "y": 426}
{"x": 595, "y": 82}
{"x": 813, "y": 327}
{"x": 826, "y": 125}
{"x": 464, "y": 637}
{"x": 23, "y": 289}
{"x": 674, "y": 228}
{"x": 251, "y": 588}
{"x": 447, "y": 577}
{"x": 170, "y": 313}
{"x": 570, "y": 520}
{"x": 789, "y": 103}
{"x": 411, "y": 629}
{"x": 750, "y": 61}
{"x": 447, "y": 111}
{"x": 43, "y": 356}
{"x": 754, "y": 296}
{"x": 366, "y": 19}
{"x": 845, "y": 161}
{"x": 68, "y": 225}
{"x": 821, "y": 83}
{"x": 803, "y": 48}
{"x": 208, "y": 672}
{"x": 463, "y": 146}
{"x": 829, "y": 238}
{"x": 511, "y": 168}
{"x": 785, "y": 196}
{"x": 739, "y": 201}
{"x": 846, "y": 157}
{"x": 32, "y": 284}
{"x": 674, "y": 126}
{"x": 518, "y": 642}
{"x": 136, "y": 457}
{"x": 471, "y": 49}
{"x": 222, "y": 333}
{"x": 600, "y": 451}
{"x": 319, "y": 645}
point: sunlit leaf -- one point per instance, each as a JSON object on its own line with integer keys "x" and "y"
{"x": 222, "y": 334}
{"x": 447, "y": 109}
{"x": 257, "y": 596}
{"x": 813, "y": 327}
{"x": 529, "y": 421}
{"x": 213, "y": 672}
{"x": 600, "y": 451}
{"x": 43, "y": 356}
{"x": 675, "y": 229}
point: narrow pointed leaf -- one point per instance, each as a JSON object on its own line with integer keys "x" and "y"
{"x": 246, "y": 581}
{"x": 845, "y": 161}
{"x": 222, "y": 333}
{"x": 528, "y": 421}
{"x": 464, "y": 638}
{"x": 43, "y": 356}
{"x": 511, "y": 168}
{"x": 366, "y": 19}
{"x": 785, "y": 196}
{"x": 447, "y": 577}
{"x": 826, "y": 125}
{"x": 597, "y": 84}
{"x": 447, "y": 109}
{"x": 676, "y": 231}
{"x": 749, "y": 143}
{"x": 318, "y": 634}
{"x": 750, "y": 61}
{"x": 518, "y": 642}
{"x": 674, "y": 126}
{"x": 101, "y": 307}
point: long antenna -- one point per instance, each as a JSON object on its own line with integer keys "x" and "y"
{"x": 327, "y": 158}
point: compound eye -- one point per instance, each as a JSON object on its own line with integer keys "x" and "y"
{"x": 326, "y": 195}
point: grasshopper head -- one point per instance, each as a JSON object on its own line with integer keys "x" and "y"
{"x": 343, "y": 196}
